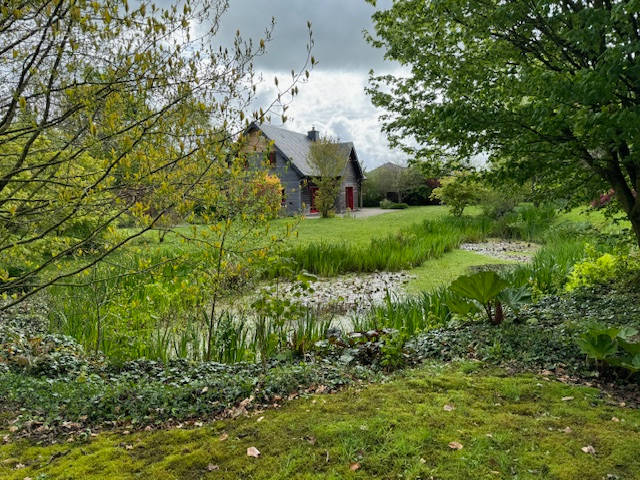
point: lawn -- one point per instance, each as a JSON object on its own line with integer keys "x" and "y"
{"x": 360, "y": 231}
{"x": 522, "y": 426}
{"x": 444, "y": 270}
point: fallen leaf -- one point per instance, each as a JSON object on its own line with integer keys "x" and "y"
{"x": 128, "y": 447}
{"x": 204, "y": 390}
{"x": 448, "y": 408}
{"x": 354, "y": 466}
{"x": 311, "y": 440}
{"x": 260, "y": 419}
{"x": 567, "y": 430}
{"x": 455, "y": 445}
{"x": 253, "y": 452}
{"x": 588, "y": 449}
{"x": 423, "y": 461}
{"x": 615, "y": 419}
{"x": 223, "y": 437}
{"x": 567, "y": 399}
{"x": 212, "y": 468}
{"x": 198, "y": 424}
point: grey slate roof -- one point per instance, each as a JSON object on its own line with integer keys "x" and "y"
{"x": 296, "y": 146}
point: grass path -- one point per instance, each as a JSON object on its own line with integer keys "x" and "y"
{"x": 440, "y": 272}
{"x": 360, "y": 231}
{"x": 509, "y": 427}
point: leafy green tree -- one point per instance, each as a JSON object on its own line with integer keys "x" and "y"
{"x": 396, "y": 180}
{"x": 328, "y": 161}
{"x": 116, "y": 114}
{"x": 548, "y": 90}
{"x": 457, "y": 192}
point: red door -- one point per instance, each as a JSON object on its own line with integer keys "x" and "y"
{"x": 349, "y": 194}
{"x": 313, "y": 191}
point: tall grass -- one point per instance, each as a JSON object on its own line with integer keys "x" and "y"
{"x": 409, "y": 315}
{"x": 548, "y": 271}
{"x": 406, "y": 249}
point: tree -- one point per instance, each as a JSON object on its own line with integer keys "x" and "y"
{"x": 111, "y": 115}
{"x": 457, "y": 192}
{"x": 328, "y": 161}
{"x": 548, "y": 90}
{"x": 398, "y": 181}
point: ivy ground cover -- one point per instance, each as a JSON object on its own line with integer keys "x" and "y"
{"x": 444, "y": 422}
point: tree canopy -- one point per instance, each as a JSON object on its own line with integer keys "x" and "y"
{"x": 549, "y": 90}
{"x": 328, "y": 160}
{"x": 117, "y": 115}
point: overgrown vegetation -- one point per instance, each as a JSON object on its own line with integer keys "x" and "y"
{"x": 399, "y": 428}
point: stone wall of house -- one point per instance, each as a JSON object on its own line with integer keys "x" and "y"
{"x": 257, "y": 145}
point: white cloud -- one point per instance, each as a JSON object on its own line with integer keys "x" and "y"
{"x": 336, "y": 104}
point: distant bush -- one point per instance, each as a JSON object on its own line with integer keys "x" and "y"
{"x": 389, "y": 205}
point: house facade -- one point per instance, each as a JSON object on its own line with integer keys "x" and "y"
{"x": 289, "y": 159}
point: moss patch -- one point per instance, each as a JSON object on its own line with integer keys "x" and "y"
{"x": 510, "y": 427}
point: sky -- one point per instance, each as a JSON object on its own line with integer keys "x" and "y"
{"x": 334, "y": 99}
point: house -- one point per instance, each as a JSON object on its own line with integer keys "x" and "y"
{"x": 289, "y": 158}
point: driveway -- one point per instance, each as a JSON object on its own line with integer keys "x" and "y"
{"x": 362, "y": 213}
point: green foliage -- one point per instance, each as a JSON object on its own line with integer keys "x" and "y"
{"x": 397, "y": 184}
{"x": 499, "y": 201}
{"x": 553, "y": 117}
{"x": 592, "y": 272}
{"x": 457, "y": 192}
{"x": 384, "y": 428}
{"x": 548, "y": 271}
{"x": 409, "y": 315}
{"x": 389, "y": 205}
{"x": 612, "y": 346}
{"x": 406, "y": 249}
{"x": 543, "y": 335}
{"x": 328, "y": 160}
{"x": 108, "y": 123}
{"x": 483, "y": 288}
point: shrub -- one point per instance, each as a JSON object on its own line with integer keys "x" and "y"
{"x": 457, "y": 192}
{"x": 592, "y": 272}
{"x": 389, "y": 205}
{"x": 612, "y": 347}
{"x": 498, "y": 203}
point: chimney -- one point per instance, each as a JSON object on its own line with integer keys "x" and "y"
{"x": 313, "y": 134}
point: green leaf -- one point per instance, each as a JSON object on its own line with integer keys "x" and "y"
{"x": 482, "y": 287}
{"x": 597, "y": 345}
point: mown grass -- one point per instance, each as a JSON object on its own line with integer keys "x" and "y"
{"x": 440, "y": 272}
{"x": 360, "y": 231}
{"x": 509, "y": 426}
